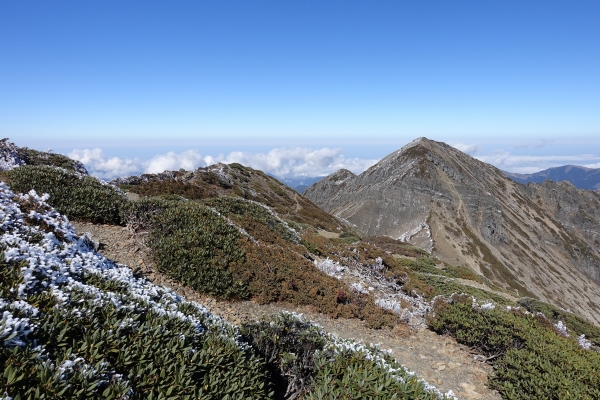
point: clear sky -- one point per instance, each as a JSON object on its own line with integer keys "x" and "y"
{"x": 139, "y": 79}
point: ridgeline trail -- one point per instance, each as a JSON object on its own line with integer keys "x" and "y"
{"x": 440, "y": 360}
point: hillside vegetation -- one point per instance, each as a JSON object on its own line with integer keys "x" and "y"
{"x": 74, "y": 324}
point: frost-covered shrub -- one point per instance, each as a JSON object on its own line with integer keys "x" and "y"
{"x": 75, "y": 325}
{"x": 317, "y": 365}
{"x": 531, "y": 361}
{"x": 330, "y": 267}
{"x": 577, "y": 325}
{"x": 287, "y": 343}
{"x": 348, "y": 370}
{"x": 76, "y": 195}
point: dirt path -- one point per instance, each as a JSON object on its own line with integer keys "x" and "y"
{"x": 437, "y": 359}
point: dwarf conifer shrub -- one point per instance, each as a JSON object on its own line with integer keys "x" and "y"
{"x": 189, "y": 190}
{"x": 316, "y": 365}
{"x": 288, "y": 344}
{"x": 531, "y": 360}
{"x": 192, "y": 244}
{"x": 197, "y": 245}
{"x": 251, "y": 216}
{"x": 577, "y": 325}
{"x": 39, "y": 158}
{"x": 363, "y": 373}
{"x": 73, "y": 325}
{"x": 76, "y": 195}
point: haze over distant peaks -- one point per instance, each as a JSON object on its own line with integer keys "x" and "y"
{"x": 541, "y": 240}
{"x": 581, "y": 177}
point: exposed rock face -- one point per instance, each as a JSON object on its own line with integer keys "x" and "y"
{"x": 541, "y": 240}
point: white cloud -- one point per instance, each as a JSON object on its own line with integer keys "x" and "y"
{"x": 281, "y": 162}
{"x": 296, "y": 162}
{"x": 103, "y": 168}
{"x": 171, "y": 161}
{"x": 530, "y": 164}
{"x": 470, "y": 149}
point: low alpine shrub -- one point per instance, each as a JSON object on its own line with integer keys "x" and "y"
{"x": 317, "y": 366}
{"x": 78, "y": 196}
{"x": 531, "y": 361}
{"x": 73, "y": 325}
{"x": 577, "y": 325}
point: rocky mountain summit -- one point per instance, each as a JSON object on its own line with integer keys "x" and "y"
{"x": 540, "y": 240}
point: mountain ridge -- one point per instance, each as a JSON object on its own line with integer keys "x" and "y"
{"x": 580, "y": 177}
{"x": 468, "y": 212}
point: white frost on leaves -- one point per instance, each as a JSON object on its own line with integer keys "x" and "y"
{"x": 9, "y": 156}
{"x": 561, "y": 329}
{"x": 59, "y": 266}
{"x": 583, "y": 342}
{"x": 371, "y": 352}
{"x": 358, "y": 288}
{"x": 330, "y": 267}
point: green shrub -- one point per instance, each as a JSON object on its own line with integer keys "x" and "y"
{"x": 315, "y": 365}
{"x": 342, "y": 373}
{"x": 39, "y": 158}
{"x": 288, "y": 344}
{"x": 447, "y": 286}
{"x": 192, "y": 244}
{"x": 249, "y": 214}
{"x": 530, "y": 360}
{"x": 99, "y": 337}
{"x": 80, "y": 197}
{"x": 577, "y": 325}
{"x": 189, "y": 190}
{"x": 195, "y": 245}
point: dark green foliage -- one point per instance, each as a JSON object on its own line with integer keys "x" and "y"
{"x": 249, "y": 214}
{"x": 314, "y": 366}
{"x": 531, "y": 361}
{"x": 311, "y": 247}
{"x": 354, "y": 375}
{"x": 288, "y": 345}
{"x": 189, "y": 190}
{"x": 428, "y": 265}
{"x": 128, "y": 352}
{"x": 577, "y": 325}
{"x": 192, "y": 244}
{"x": 77, "y": 196}
{"x": 444, "y": 286}
{"x": 350, "y": 237}
{"x": 39, "y": 158}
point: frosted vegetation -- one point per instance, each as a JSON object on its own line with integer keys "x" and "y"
{"x": 76, "y": 325}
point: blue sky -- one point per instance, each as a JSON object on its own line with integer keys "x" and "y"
{"x": 138, "y": 80}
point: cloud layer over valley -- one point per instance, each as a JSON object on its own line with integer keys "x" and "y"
{"x": 281, "y": 162}
{"x": 299, "y": 162}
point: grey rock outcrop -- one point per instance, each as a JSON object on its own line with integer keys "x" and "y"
{"x": 540, "y": 240}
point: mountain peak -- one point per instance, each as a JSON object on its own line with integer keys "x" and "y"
{"x": 466, "y": 211}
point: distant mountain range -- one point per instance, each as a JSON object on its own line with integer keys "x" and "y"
{"x": 581, "y": 177}
{"x": 540, "y": 240}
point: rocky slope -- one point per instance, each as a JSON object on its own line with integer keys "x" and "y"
{"x": 537, "y": 240}
{"x": 580, "y": 177}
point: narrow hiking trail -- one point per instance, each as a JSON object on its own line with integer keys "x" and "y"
{"x": 437, "y": 359}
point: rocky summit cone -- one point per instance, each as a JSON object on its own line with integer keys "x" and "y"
{"x": 538, "y": 240}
